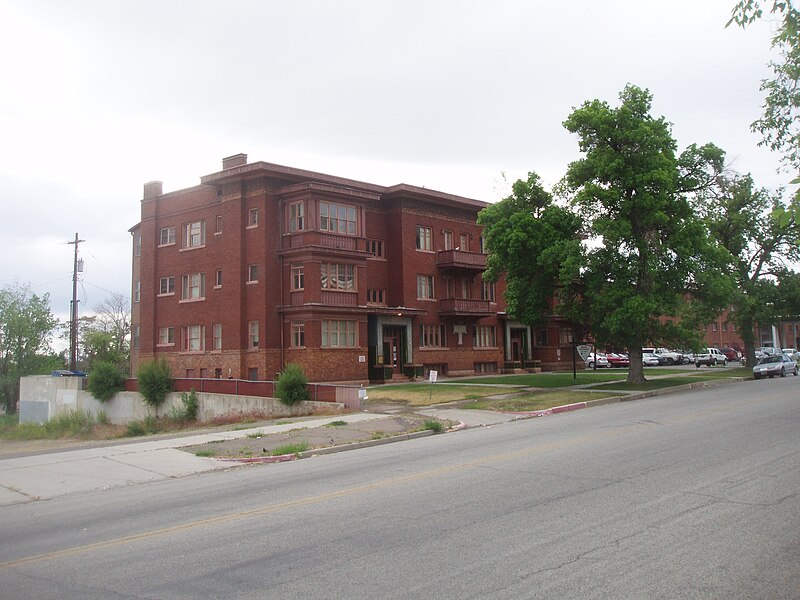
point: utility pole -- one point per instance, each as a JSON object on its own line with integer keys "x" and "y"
{"x": 73, "y": 324}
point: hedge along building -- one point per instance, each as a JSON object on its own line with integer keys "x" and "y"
{"x": 262, "y": 265}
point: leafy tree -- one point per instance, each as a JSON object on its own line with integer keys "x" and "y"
{"x": 154, "y": 379}
{"x": 647, "y": 248}
{"x": 105, "y": 380}
{"x": 105, "y": 335}
{"x": 291, "y": 387}
{"x": 25, "y": 327}
{"x": 760, "y": 231}
{"x": 779, "y": 124}
{"x": 530, "y": 239}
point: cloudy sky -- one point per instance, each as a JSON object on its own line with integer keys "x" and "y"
{"x": 98, "y": 97}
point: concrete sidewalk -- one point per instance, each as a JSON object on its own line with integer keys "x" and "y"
{"x": 45, "y": 476}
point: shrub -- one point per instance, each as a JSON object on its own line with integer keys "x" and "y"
{"x": 105, "y": 380}
{"x": 155, "y": 382}
{"x": 291, "y": 387}
{"x": 188, "y": 412}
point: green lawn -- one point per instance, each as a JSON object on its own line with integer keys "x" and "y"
{"x": 552, "y": 380}
{"x": 425, "y": 394}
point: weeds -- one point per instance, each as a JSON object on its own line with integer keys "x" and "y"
{"x": 338, "y": 423}
{"x": 206, "y": 453}
{"x": 295, "y": 448}
{"x": 435, "y": 426}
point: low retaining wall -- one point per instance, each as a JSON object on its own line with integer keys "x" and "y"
{"x": 43, "y": 397}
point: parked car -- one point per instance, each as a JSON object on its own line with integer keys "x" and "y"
{"x": 768, "y": 350}
{"x": 601, "y": 360}
{"x": 670, "y": 357}
{"x": 618, "y": 360}
{"x": 793, "y": 354}
{"x": 775, "y": 364}
{"x": 710, "y": 357}
{"x": 649, "y": 359}
{"x": 730, "y": 353}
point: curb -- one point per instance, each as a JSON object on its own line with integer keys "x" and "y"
{"x": 331, "y": 449}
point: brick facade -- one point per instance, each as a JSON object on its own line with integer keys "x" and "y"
{"x": 262, "y": 265}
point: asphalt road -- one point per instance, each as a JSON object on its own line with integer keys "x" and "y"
{"x": 692, "y": 495}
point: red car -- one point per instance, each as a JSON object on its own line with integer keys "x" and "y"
{"x": 618, "y": 360}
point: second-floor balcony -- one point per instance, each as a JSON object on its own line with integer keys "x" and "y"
{"x": 464, "y": 307}
{"x": 461, "y": 260}
{"x": 304, "y": 239}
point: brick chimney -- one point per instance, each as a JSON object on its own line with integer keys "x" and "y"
{"x": 152, "y": 190}
{"x": 237, "y": 160}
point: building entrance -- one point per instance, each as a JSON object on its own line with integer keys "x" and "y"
{"x": 393, "y": 347}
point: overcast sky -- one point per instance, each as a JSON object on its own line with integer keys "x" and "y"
{"x": 98, "y": 97}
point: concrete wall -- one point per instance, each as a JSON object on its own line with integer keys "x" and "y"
{"x": 43, "y": 397}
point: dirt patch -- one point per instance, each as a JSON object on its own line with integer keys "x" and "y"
{"x": 333, "y": 434}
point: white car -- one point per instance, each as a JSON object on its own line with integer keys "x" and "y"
{"x": 710, "y": 357}
{"x": 649, "y": 359}
{"x": 601, "y": 360}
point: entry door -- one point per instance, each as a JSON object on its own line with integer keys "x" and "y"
{"x": 517, "y": 348}
{"x": 392, "y": 348}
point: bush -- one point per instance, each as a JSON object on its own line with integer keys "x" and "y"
{"x": 105, "y": 380}
{"x": 291, "y": 387}
{"x": 155, "y": 382}
{"x": 188, "y": 412}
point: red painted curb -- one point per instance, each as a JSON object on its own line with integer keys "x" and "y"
{"x": 261, "y": 459}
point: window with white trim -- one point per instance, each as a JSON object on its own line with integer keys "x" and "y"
{"x": 296, "y": 217}
{"x": 137, "y": 291}
{"x": 298, "y": 334}
{"x": 194, "y": 234}
{"x": 334, "y": 276}
{"x": 338, "y": 334}
{"x": 424, "y": 238}
{"x": 166, "y": 336}
{"x": 488, "y": 291}
{"x": 485, "y": 336}
{"x": 167, "y": 236}
{"x": 432, "y": 336}
{"x": 193, "y": 286}
{"x": 425, "y": 287}
{"x": 166, "y": 286}
{"x": 298, "y": 277}
{"x": 337, "y": 218}
{"x": 448, "y": 240}
{"x": 216, "y": 336}
{"x": 252, "y": 217}
{"x": 252, "y": 274}
{"x": 194, "y": 338}
{"x": 253, "y": 339}
{"x": 218, "y": 278}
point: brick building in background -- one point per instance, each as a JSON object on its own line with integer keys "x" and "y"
{"x": 261, "y": 265}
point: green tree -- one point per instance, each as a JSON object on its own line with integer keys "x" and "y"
{"x": 779, "y": 124}
{"x": 154, "y": 379}
{"x": 760, "y": 232}
{"x": 530, "y": 240}
{"x": 26, "y": 324}
{"x": 648, "y": 252}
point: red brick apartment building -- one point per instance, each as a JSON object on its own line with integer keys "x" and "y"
{"x": 262, "y": 265}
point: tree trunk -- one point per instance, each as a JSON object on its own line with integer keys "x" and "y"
{"x": 749, "y": 339}
{"x": 635, "y": 370}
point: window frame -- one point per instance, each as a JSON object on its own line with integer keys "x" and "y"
{"x": 296, "y": 217}
{"x": 166, "y": 336}
{"x": 253, "y": 337}
{"x": 252, "y": 218}
{"x": 188, "y": 284}
{"x": 342, "y": 222}
{"x": 424, "y": 239}
{"x": 188, "y": 337}
{"x": 170, "y": 236}
{"x": 298, "y": 334}
{"x": 344, "y": 328}
{"x": 190, "y": 234}
{"x": 169, "y": 280}
{"x": 425, "y": 287}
